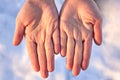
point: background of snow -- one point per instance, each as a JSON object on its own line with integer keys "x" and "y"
{"x": 105, "y": 60}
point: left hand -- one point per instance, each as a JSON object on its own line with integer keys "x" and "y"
{"x": 80, "y": 21}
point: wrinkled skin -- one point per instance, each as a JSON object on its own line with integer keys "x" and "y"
{"x": 37, "y": 21}
{"x": 80, "y": 21}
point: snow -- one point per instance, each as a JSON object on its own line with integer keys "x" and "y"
{"x": 104, "y": 65}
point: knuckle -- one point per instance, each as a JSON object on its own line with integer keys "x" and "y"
{"x": 30, "y": 37}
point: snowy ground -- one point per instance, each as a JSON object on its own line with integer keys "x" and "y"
{"x": 105, "y": 60}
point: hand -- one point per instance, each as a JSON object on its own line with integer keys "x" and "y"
{"x": 38, "y": 22}
{"x": 80, "y": 21}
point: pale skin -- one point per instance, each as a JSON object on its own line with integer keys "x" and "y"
{"x": 38, "y": 22}
{"x": 80, "y": 21}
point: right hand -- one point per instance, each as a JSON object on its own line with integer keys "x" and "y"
{"x": 38, "y": 22}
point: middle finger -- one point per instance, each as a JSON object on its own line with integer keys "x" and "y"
{"x": 42, "y": 60}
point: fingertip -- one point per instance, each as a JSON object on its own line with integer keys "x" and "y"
{"x": 50, "y": 67}
{"x": 69, "y": 66}
{"x": 18, "y": 38}
{"x": 76, "y": 69}
{"x": 98, "y": 42}
{"x": 57, "y": 49}
{"x": 85, "y": 64}
{"x": 75, "y": 73}
{"x": 44, "y": 75}
{"x": 36, "y": 69}
{"x": 16, "y": 42}
{"x": 84, "y": 67}
{"x": 98, "y": 39}
{"x": 63, "y": 53}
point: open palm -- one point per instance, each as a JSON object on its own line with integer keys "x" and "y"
{"x": 38, "y": 22}
{"x": 80, "y": 21}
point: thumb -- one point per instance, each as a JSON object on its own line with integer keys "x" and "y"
{"x": 98, "y": 32}
{"x": 19, "y": 32}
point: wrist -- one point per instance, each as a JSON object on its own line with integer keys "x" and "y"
{"x": 37, "y": 1}
{"x": 41, "y": 3}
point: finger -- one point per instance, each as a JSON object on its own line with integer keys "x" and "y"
{"x": 19, "y": 32}
{"x": 63, "y": 40}
{"x": 70, "y": 53}
{"x": 49, "y": 53}
{"x": 98, "y": 32}
{"x": 56, "y": 41}
{"x": 42, "y": 60}
{"x": 87, "y": 52}
{"x": 32, "y": 51}
{"x": 77, "y": 58}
